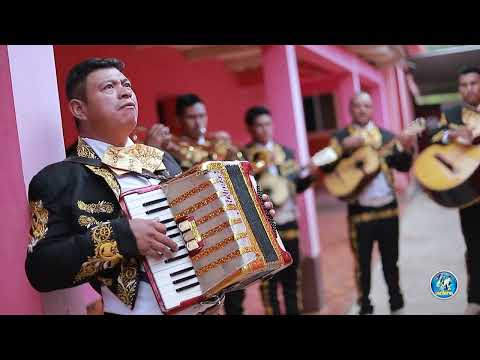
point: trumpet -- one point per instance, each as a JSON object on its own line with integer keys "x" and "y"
{"x": 261, "y": 159}
{"x": 189, "y": 153}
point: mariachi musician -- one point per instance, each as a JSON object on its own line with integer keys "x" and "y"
{"x": 373, "y": 213}
{"x": 278, "y": 175}
{"x": 461, "y": 124}
{"x": 194, "y": 145}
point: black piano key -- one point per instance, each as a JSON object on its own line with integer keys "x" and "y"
{"x": 184, "y": 279}
{"x": 171, "y": 228}
{"x": 181, "y": 248}
{"x": 181, "y": 271}
{"x": 187, "y": 287}
{"x": 174, "y": 235}
{"x": 157, "y": 210}
{"x": 154, "y": 202}
{"x": 166, "y": 221}
{"x": 176, "y": 258}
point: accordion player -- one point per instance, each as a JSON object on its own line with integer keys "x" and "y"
{"x": 226, "y": 238}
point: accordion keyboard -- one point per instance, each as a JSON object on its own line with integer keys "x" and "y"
{"x": 175, "y": 277}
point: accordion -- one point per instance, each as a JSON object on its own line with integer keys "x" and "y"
{"x": 226, "y": 238}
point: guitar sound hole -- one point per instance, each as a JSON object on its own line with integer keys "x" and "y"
{"x": 359, "y": 164}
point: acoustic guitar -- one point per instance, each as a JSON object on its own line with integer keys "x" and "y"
{"x": 450, "y": 174}
{"x": 353, "y": 173}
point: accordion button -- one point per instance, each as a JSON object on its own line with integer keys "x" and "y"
{"x": 192, "y": 245}
{"x": 184, "y": 226}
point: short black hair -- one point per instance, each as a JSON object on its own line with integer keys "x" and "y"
{"x": 254, "y": 112}
{"x": 75, "y": 85}
{"x": 468, "y": 69}
{"x": 184, "y": 101}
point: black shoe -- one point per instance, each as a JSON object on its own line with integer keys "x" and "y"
{"x": 366, "y": 310}
{"x": 396, "y": 303}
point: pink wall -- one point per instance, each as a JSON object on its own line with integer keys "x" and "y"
{"x": 17, "y": 295}
{"x": 336, "y": 59}
{"x": 350, "y": 73}
{"x": 347, "y": 86}
{"x": 392, "y": 98}
{"x": 161, "y": 71}
{"x": 381, "y": 111}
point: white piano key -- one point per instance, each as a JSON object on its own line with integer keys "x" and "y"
{"x": 162, "y": 279}
{"x": 178, "y": 268}
{"x": 156, "y": 263}
{"x": 169, "y": 290}
{"x": 171, "y": 293}
{"x": 146, "y": 204}
{"x": 161, "y": 265}
{"x": 172, "y": 298}
{"x": 140, "y": 207}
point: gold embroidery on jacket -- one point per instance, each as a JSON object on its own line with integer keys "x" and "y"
{"x": 88, "y": 221}
{"x": 108, "y": 177}
{"x": 373, "y": 215}
{"x": 372, "y": 136}
{"x": 127, "y": 281}
{"x": 99, "y": 207}
{"x": 39, "y": 227}
{"x": 106, "y": 254}
{"x": 84, "y": 150}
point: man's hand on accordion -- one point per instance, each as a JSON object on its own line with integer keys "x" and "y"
{"x": 152, "y": 239}
{"x": 268, "y": 204}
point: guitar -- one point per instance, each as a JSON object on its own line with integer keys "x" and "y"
{"x": 353, "y": 173}
{"x": 450, "y": 174}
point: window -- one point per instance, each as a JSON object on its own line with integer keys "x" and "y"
{"x": 319, "y": 113}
